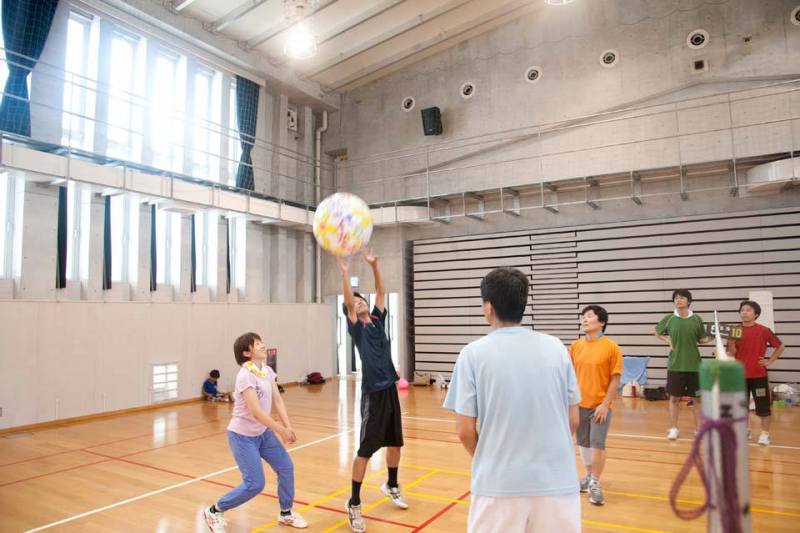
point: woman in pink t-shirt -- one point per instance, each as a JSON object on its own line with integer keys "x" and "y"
{"x": 252, "y": 436}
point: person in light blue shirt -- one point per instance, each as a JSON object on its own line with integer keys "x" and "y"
{"x": 520, "y": 386}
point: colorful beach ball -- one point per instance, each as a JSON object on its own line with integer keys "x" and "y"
{"x": 342, "y": 223}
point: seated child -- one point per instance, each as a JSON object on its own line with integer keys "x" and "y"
{"x": 210, "y": 391}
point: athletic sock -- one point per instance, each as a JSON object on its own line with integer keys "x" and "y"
{"x": 286, "y": 513}
{"x": 392, "y": 477}
{"x": 355, "y": 498}
{"x": 214, "y": 509}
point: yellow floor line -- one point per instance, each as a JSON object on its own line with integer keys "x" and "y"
{"x": 426, "y": 496}
{"x": 442, "y": 470}
{"x": 621, "y": 527}
{"x": 311, "y": 505}
{"x": 383, "y": 500}
{"x": 696, "y": 502}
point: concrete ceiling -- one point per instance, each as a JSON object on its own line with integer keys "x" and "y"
{"x": 358, "y": 40}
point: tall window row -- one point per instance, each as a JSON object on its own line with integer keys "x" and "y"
{"x": 133, "y": 98}
{"x": 138, "y": 100}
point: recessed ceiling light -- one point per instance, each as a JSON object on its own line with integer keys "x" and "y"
{"x": 557, "y": 2}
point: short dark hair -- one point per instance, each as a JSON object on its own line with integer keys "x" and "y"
{"x": 355, "y": 295}
{"x": 682, "y": 292}
{"x": 214, "y": 373}
{"x": 600, "y": 313}
{"x": 753, "y": 305}
{"x": 507, "y": 290}
{"x": 244, "y": 344}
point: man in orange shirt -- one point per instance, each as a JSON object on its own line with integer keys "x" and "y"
{"x": 598, "y": 367}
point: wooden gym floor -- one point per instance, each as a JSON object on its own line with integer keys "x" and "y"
{"x": 156, "y": 470}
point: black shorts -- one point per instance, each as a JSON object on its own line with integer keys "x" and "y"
{"x": 381, "y": 423}
{"x": 683, "y": 383}
{"x": 759, "y": 389}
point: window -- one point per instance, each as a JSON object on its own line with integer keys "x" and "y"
{"x": 80, "y": 87}
{"x": 165, "y": 382}
{"x": 167, "y": 111}
{"x": 79, "y": 210}
{"x": 206, "y": 239}
{"x": 206, "y": 117}
{"x": 168, "y": 245}
{"x": 4, "y": 225}
{"x": 234, "y": 147}
{"x": 237, "y": 238}
{"x": 125, "y": 106}
{"x": 124, "y": 238}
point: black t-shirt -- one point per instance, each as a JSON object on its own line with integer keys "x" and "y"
{"x": 373, "y": 345}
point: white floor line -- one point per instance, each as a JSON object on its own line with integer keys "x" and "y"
{"x": 626, "y": 435}
{"x": 451, "y": 420}
{"x": 171, "y": 487}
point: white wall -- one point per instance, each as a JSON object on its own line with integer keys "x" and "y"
{"x": 566, "y": 42}
{"x": 67, "y": 359}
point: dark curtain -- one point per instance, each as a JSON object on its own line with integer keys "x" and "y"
{"x": 61, "y": 235}
{"x": 106, "y": 243}
{"x": 153, "y": 249}
{"x": 193, "y": 280}
{"x": 26, "y": 24}
{"x": 227, "y": 255}
{"x": 246, "y": 118}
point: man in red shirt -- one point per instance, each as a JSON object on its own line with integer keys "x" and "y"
{"x": 751, "y": 350}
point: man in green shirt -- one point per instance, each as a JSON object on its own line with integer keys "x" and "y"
{"x": 682, "y": 330}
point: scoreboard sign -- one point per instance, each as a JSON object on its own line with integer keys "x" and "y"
{"x": 726, "y": 331}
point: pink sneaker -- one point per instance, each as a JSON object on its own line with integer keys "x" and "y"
{"x": 294, "y": 520}
{"x": 215, "y": 521}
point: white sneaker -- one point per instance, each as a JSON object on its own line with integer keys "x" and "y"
{"x": 354, "y": 518}
{"x": 215, "y": 521}
{"x": 672, "y": 434}
{"x": 596, "y": 493}
{"x": 394, "y": 494}
{"x": 294, "y": 520}
{"x": 749, "y": 434}
{"x": 763, "y": 439}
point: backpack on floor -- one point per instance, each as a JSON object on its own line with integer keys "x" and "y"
{"x": 655, "y": 393}
{"x": 315, "y": 378}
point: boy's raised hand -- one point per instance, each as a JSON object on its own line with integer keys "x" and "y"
{"x": 370, "y": 258}
{"x": 342, "y": 263}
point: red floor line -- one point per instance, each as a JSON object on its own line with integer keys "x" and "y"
{"x": 438, "y": 515}
{"x": 686, "y": 453}
{"x": 265, "y": 494}
{"x": 769, "y": 472}
{"x": 75, "y": 450}
{"x": 54, "y": 472}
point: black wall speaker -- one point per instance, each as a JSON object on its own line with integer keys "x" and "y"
{"x": 432, "y": 121}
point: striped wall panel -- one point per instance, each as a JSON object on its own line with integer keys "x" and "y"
{"x": 629, "y": 268}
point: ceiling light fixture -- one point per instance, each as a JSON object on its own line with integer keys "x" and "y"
{"x": 300, "y": 40}
{"x": 557, "y": 2}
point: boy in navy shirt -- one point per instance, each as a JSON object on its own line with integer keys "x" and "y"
{"x": 210, "y": 391}
{"x": 381, "y": 425}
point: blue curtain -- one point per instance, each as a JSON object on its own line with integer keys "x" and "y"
{"x": 61, "y": 235}
{"x": 106, "y": 243}
{"x": 153, "y": 249}
{"x": 193, "y": 279}
{"x": 26, "y": 24}
{"x": 246, "y": 118}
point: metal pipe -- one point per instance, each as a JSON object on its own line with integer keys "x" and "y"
{"x": 317, "y": 184}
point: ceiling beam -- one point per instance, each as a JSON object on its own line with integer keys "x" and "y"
{"x": 406, "y": 26}
{"x": 232, "y": 16}
{"x": 278, "y": 28}
{"x": 488, "y": 19}
{"x": 178, "y": 5}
